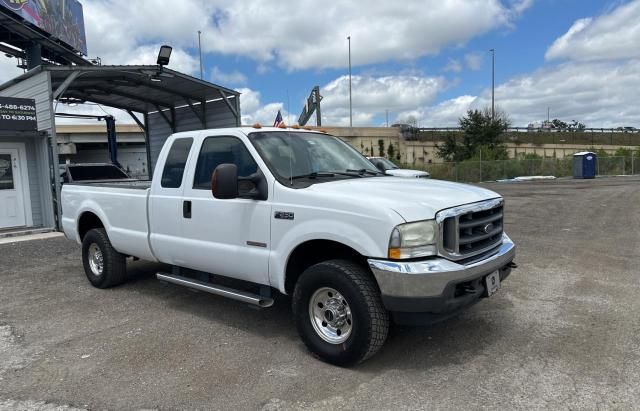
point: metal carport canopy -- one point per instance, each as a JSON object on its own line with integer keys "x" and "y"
{"x": 131, "y": 88}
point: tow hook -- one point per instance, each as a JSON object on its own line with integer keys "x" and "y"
{"x": 512, "y": 265}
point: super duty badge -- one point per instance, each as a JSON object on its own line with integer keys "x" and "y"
{"x": 283, "y": 215}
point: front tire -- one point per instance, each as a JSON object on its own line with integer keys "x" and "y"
{"x": 103, "y": 265}
{"x": 339, "y": 313}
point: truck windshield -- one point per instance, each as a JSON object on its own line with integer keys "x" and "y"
{"x": 294, "y": 155}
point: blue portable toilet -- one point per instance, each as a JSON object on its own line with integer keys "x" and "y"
{"x": 584, "y": 165}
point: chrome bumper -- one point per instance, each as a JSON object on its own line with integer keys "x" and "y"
{"x": 429, "y": 278}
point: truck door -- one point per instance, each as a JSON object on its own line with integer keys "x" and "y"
{"x": 165, "y": 202}
{"x": 225, "y": 237}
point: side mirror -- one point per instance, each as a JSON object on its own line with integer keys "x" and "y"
{"x": 259, "y": 189}
{"x": 379, "y": 166}
{"x": 224, "y": 182}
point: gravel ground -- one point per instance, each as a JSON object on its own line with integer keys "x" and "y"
{"x": 562, "y": 333}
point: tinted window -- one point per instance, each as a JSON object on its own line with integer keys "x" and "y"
{"x": 176, "y": 161}
{"x": 96, "y": 172}
{"x": 223, "y": 150}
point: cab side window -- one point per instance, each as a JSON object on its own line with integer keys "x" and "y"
{"x": 175, "y": 163}
{"x": 224, "y": 150}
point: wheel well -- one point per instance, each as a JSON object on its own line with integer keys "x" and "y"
{"x": 88, "y": 221}
{"x": 312, "y": 252}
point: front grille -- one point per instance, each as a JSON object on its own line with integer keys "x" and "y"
{"x": 471, "y": 230}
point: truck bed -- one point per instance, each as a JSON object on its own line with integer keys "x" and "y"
{"x": 121, "y": 207}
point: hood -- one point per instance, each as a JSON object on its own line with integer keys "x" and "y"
{"x": 414, "y": 199}
{"x": 403, "y": 172}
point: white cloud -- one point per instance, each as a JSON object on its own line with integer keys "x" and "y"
{"x": 372, "y": 96}
{"x": 234, "y": 78}
{"x": 453, "y": 65}
{"x": 380, "y": 31}
{"x": 614, "y": 35}
{"x": 602, "y": 94}
{"x": 279, "y": 32}
{"x": 474, "y": 61}
{"x": 8, "y": 69}
{"x": 254, "y": 111}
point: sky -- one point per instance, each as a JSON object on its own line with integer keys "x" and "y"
{"x": 423, "y": 60}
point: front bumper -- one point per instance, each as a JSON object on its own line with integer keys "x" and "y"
{"x": 438, "y": 286}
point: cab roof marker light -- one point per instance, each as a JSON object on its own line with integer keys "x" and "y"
{"x": 282, "y": 125}
{"x": 257, "y": 125}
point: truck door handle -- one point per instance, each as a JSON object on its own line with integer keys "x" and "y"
{"x": 186, "y": 209}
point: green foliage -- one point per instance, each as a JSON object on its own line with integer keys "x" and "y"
{"x": 529, "y": 156}
{"x": 391, "y": 151}
{"x": 381, "y": 147}
{"x": 481, "y": 132}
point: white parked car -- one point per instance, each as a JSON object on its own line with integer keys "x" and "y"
{"x": 387, "y": 167}
{"x": 251, "y": 213}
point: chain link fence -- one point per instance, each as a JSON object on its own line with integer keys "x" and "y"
{"x": 476, "y": 171}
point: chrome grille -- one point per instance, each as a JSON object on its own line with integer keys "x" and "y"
{"x": 471, "y": 230}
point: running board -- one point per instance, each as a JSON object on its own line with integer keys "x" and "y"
{"x": 246, "y": 297}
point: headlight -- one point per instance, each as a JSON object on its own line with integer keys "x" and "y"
{"x": 413, "y": 240}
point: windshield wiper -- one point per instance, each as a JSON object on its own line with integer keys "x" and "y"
{"x": 313, "y": 175}
{"x": 363, "y": 171}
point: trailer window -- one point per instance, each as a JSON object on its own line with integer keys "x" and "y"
{"x": 223, "y": 150}
{"x": 176, "y": 161}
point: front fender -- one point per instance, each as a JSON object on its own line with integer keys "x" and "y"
{"x": 357, "y": 238}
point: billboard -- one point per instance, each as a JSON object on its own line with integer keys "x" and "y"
{"x": 60, "y": 18}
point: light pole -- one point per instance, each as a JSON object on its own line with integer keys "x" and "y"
{"x": 200, "y": 51}
{"x": 350, "y": 103}
{"x": 493, "y": 83}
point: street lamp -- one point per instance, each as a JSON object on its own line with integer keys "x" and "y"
{"x": 493, "y": 83}
{"x": 350, "y": 103}
{"x": 200, "y": 51}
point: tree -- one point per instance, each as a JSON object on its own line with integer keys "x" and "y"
{"x": 381, "y": 147}
{"x": 559, "y": 124}
{"x": 576, "y": 126}
{"x": 482, "y": 137}
{"x": 391, "y": 151}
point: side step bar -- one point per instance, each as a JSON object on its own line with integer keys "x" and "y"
{"x": 246, "y": 297}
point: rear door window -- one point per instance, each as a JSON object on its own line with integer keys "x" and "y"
{"x": 175, "y": 163}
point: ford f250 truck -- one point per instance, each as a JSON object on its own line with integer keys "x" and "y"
{"x": 248, "y": 213}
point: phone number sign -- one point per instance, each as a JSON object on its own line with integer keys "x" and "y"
{"x": 18, "y": 114}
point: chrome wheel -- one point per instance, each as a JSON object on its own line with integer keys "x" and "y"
{"x": 330, "y": 315}
{"x": 96, "y": 261}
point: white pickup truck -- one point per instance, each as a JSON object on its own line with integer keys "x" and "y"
{"x": 248, "y": 213}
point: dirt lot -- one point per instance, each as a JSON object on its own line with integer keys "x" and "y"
{"x": 562, "y": 333}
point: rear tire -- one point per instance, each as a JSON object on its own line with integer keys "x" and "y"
{"x": 339, "y": 313}
{"x": 103, "y": 265}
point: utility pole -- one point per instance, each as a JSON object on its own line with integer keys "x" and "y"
{"x": 387, "y": 112}
{"x": 548, "y": 118}
{"x": 350, "y": 102}
{"x": 493, "y": 83}
{"x": 200, "y": 51}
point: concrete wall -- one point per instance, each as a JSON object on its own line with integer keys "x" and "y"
{"x": 366, "y": 140}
